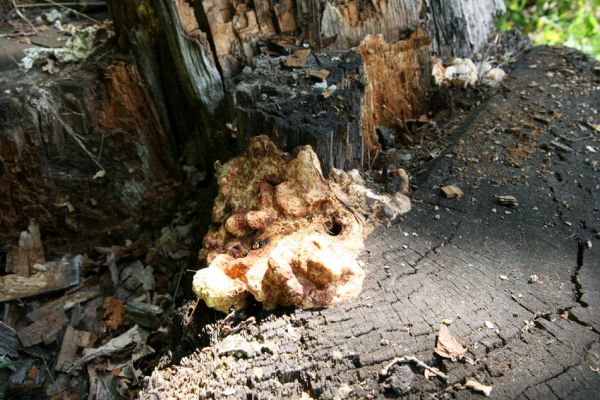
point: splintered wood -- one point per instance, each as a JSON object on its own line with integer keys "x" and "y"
{"x": 72, "y": 341}
{"x": 398, "y": 82}
{"x": 21, "y": 259}
{"x": 44, "y": 330}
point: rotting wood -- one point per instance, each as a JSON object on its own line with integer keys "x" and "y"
{"x": 50, "y": 277}
{"x": 64, "y": 303}
{"x": 47, "y": 176}
{"x": 9, "y": 342}
{"x": 29, "y": 251}
{"x": 44, "y": 330}
{"x": 72, "y": 341}
{"x": 143, "y": 314}
{"x": 232, "y": 36}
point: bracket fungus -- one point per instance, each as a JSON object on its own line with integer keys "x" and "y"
{"x": 284, "y": 234}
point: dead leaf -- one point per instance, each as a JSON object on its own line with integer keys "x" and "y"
{"x": 478, "y": 387}
{"x": 447, "y": 346}
{"x": 114, "y": 311}
{"x": 32, "y": 374}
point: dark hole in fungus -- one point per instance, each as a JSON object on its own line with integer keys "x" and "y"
{"x": 333, "y": 226}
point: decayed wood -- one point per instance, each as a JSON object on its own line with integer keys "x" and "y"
{"x": 64, "y": 303}
{"x": 224, "y": 36}
{"x": 143, "y": 314}
{"x": 21, "y": 259}
{"x": 47, "y": 175}
{"x": 398, "y": 82}
{"x": 295, "y": 115}
{"x": 44, "y": 330}
{"x": 55, "y": 275}
{"x": 72, "y": 340}
{"x": 9, "y": 342}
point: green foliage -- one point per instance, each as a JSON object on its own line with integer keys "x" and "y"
{"x": 572, "y": 23}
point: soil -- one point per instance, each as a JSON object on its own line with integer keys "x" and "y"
{"x": 517, "y": 286}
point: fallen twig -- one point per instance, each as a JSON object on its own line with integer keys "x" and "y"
{"x": 73, "y": 3}
{"x": 413, "y": 359}
{"x": 24, "y": 18}
{"x": 18, "y": 34}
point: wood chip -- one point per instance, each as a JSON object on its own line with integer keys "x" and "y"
{"x": 452, "y": 192}
{"x": 114, "y": 312}
{"x": 509, "y": 201}
{"x": 133, "y": 336}
{"x": 319, "y": 75}
{"x": 447, "y": 346}
{"x": 298, "y": 59}
{"x": 44, "y": 330}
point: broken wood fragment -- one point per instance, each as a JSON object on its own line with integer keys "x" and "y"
{"x": 64, "y": 303}
{"x": 9, "y": 342}
{"x": 44, "y": 330}
{"x": 452, "y": 192}
{"x": 319, "y": 75}
{"x": 72, "y": 341}
{"x": 20, "y": 260}
{"x": 298, "y": 59}
{"x": 51, "y": 276}
{"x": 478, "y": 387}
{"x": 135, "y": 335}
{"x": 509, "y": 201}
{"x": 144, "y": 314}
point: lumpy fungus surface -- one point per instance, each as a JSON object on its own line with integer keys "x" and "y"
{"x": 284, "y": 234}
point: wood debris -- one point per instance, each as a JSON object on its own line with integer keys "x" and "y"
{"x": 509, "y": 201}
{"x": 319, "y": 75}
{"x": 561, "y": 147}
{"x": 298, "y": 59}
{"x": 9, "y": 342}
{"x": 44, "y": 330}
{"x": 452, "y": 192}
{"x": 478, "y": 387}
{"x": 48, "y": 277}
{"x": 114, "y": 312}
{"x": 72, "y": 341}
{"x": 21, "y": 259}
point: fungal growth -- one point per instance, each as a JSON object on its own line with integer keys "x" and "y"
{"x": 283, "y": 233}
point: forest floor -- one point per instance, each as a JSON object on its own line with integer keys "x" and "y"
{"x": 518, "y": 286}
